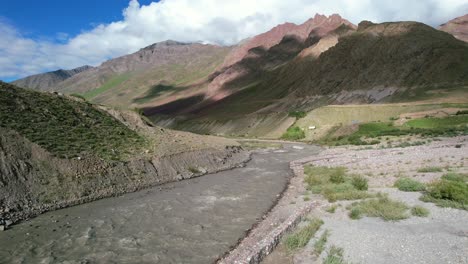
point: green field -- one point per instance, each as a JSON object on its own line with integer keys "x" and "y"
{"x": 111, "y": 83}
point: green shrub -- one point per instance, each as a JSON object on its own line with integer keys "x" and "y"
{"x": 331, "y": 209}
{"x": 360, "y": 183}
{"x": 430, "y": 169}
{"x": 382, "y": 207}
{"x": 319, "y": 245}
{"x": 335, "y": 256}
{"x": 409, "y": 185}
{"x": 453, "y": 176}
{"x": 419, "y": 211}
{"x": 293, "y": 133}
{"x": 297, "y": 114}
{"x": 301, "y": 237}
{"x": 448, "y": 193}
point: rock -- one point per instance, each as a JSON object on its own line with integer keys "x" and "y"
{"x": 8, "y": 223}
{"x": 2, "y": 228}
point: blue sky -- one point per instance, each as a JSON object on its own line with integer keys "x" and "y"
{"x": 45, "y": 35}
{"x": 48, "y": 18}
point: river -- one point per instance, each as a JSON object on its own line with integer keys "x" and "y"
{"x": 192, "y": 221}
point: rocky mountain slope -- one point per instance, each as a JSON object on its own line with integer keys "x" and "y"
{"x": 375, "y": 63}
{"x": 57, "y": 151}
{"x": 458, "y": 27}
{"x": 46, "y": 80}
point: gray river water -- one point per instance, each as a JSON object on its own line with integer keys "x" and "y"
{"x": 192, "y": 221}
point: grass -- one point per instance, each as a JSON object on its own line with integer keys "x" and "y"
{"x": 430, "y": 169}
{"x": 426, "y": 127}
{"x": 334, "y": 184}
{"x": 293, "y": 133}
{"x": 297, "y": 114}
{"x": 194, "y": 170}
{"x": 453, "y": 176}
{"x": 335, "y": 256}
{"x": 409, "y": 185}
{"x": 331, "y": 209}
{"x": 319, "y": 245}
{"x": 382, "y": 207}
{"x": 111, "y": 83}
{"x": 419, "y": 211}
{"x": 449, "y": 192}
{"x": 64, "y": 127}
{"x": 301, "y": 237}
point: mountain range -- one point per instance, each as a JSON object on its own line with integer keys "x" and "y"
{"x": 251, "y": 87}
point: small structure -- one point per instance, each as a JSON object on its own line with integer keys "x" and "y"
{"x": 312, "y": 127}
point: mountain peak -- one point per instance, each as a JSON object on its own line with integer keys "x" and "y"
{"x": 458, "y": 27}
{"x": 165, "y": 43}
{"x": 320, "y": 24}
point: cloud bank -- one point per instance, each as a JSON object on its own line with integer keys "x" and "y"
{"x": 222, "y": 22}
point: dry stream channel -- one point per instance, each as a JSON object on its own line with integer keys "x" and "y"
{"x": 192, "y": 221}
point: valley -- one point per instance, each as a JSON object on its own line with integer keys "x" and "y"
{"x": 319, "y": 142}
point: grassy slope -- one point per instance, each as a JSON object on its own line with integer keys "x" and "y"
{"x": 65, "y": 127}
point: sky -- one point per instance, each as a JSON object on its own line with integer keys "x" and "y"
{"x": 39, "y": 36}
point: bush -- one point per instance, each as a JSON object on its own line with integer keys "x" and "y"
{"x": 454, "y": 191}
{"x": 297, "y": 114}
{"x": 360, "y": 183}
{"x": 293, "y": 133}
{"x": 409, "y": 185}
{"x": 453, "y": 176}
{"x": 301, "y": 237}
{"x": 382, "y": 207}
{"x": 430, "y": 169}
{"x": 419, "y": 211}
{"x": 319, "y": 245}
{"x": 335, "y": 256}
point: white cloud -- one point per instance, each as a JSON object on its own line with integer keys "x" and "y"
{"x": 224, "y": 22}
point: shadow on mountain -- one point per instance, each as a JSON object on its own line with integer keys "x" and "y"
{"x": 174, "y": 107}
{"x": 155, "y": 91}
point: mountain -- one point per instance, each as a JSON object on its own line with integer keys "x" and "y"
{"x": 319, "y": 23}
{"x": 145, "y": 74}
{"x": 46, "y": 80}
{"x": 375, "y": 63}
{"x": 58, "y": 150}
{"x": 458, "y": 27}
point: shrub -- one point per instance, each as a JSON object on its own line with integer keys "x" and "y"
{"x": 409, "y": 185}
{"x": 319, "y": 245}
{"x": 338, "y": 176}
{"x": 293, "y": 133}
{"x": 419, "y": 211}
{"x": 430, "y": 169}
{"x": 360, "y": 183}
{"x": 382, "y": 207}
{"x": 448, "y": 193}
{"x": 331, "y": 209}
{"x": 297, "y": 114}
{"x": 301, "y": 237}
{"x": 335, "y": 256}
{"x": 453, "y": 176}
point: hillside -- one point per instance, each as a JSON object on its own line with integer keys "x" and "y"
{"x": 401, "y": 61}
{"x": 458, "y": 27}
{"x": 58, "y": 151}
{"x": 46, "y": 80}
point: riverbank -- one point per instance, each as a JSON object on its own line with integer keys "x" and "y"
{"x": 440, "y": 237}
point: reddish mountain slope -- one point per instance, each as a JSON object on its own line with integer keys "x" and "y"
{"x": 458, "y": 27}
{"x": 320, "y": 23}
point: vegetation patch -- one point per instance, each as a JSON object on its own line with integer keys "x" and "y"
{"x": 293, "y": 133}
{"x": 419, "y": 211}
{"x": 332, "y": 208}
{"x": 383, "y": 207}
{"x": 319, "y": 245}
{"x": 64, "y": 127}
{"x": 453, "y": 176}
{"x": 448, "y": 193}
{"x": 301, "y": 237}
{"x": 334, "y": 184}
{"x": 335, "y": 256}
{"x": 297, "y": 114}
{"x": 430, "y": 169}
{"x": 409, "y": 185}
{"x": 111, "y": 83}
